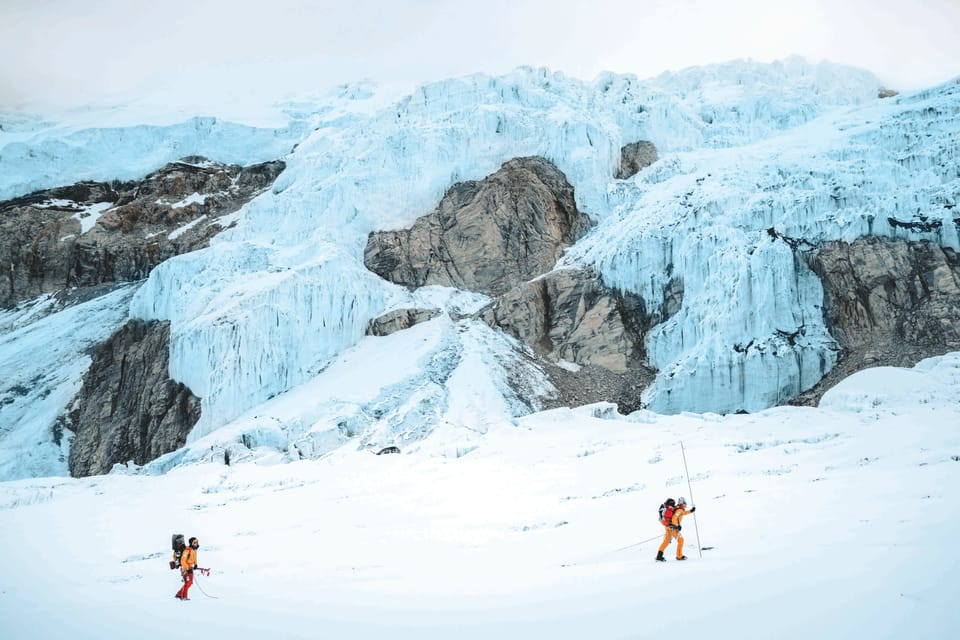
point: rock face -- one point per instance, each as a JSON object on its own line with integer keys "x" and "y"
{"x": 93, "y": 233}
{"x": 569, "y": 315}
{"x": 129, "y": 408}
{"x": 485, "y": 236}
{"x": 399, "y": 320}
{"x": 634, "y": 157}
{"x": 502, "y": 236}
{"x": 887, "y": 303}
{"x": 591, "y": 384}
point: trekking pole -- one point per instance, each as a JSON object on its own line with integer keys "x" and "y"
{"x": 690, "y": 489}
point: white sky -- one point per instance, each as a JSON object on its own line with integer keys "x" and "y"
{"x": 71, "y": 52}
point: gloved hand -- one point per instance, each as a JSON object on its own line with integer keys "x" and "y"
{"x": 692, "y": 509}
{"x": 679, "y": 528}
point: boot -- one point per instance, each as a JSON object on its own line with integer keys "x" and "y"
{"x": 660, "y": 556}
{"x": 682, "y": 558}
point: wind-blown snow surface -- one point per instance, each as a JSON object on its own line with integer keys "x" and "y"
{"x": 833, "y": 522}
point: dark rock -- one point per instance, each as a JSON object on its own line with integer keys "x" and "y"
{"x": 634, "y": 157}
{"x": 485, "y": 236}
{"x": 399, "y": 320}
{"x": 42, "y": 249}
{"x": 129, "y": 408}
{"x": 502, "y": 236}
{"x": 887, "y": 303}
{"x": 570, "y": 315}
{"x": 592, "y": 384}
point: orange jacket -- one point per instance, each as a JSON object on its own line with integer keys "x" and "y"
{"x": 188, "y": 560}
{"x": 678, "y": 514}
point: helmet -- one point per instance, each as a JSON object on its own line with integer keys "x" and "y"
{"x": 681, "y": 500}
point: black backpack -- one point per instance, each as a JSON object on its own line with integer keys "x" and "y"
{"x": 178, "y": 546}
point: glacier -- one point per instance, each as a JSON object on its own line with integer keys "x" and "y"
{"x": 753, "y": 157}
{"x": 128, "y": 140}
{"x": 44, "y": 352}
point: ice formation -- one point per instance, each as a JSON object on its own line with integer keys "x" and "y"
{"x": 752, "y": 157}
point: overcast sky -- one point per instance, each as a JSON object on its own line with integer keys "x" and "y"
{"x": 70, "y": 52}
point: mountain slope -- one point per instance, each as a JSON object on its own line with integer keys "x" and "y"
{"x": 753, "y": 162}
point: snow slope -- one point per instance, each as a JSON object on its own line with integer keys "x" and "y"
{"x": 829, "y": 523}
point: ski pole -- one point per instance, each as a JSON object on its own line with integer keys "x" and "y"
{"x": 690, "y": 489}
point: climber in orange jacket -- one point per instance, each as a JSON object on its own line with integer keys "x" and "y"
{"x": 188, "y": 562}
{"x": 673, "y": 530}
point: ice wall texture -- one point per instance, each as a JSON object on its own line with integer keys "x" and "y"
{"x": 752, "y": 156}
{"x": 750, "y": 333}
{"x": 43, "y": 356}
{"x": 44, "y": 156}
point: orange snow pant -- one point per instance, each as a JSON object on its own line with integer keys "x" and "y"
{"x": 672, "y": 533}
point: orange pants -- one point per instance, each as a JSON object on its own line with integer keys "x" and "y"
{"x": 672, "y": 533}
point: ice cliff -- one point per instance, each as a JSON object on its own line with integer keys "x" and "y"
{"x": 755, "y": 161}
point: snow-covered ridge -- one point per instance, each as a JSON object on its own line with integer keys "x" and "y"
{"x": 126, "y": 141}
{"x": 55, "y": 158}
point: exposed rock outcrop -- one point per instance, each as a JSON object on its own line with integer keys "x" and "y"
{"x": 93, "y": 233}
{"x": 502, "y": 236}
{"x": 399, "y": 320}
{"x": 485, "y": 236}
{"x": 129, "y": 408}
{"x": 569, "y": 315}
{"x": 592, "y": 384}
{"x": 887, "y": 303}
{"x": 589, "y": 338}
{"x": 634, "y": 157}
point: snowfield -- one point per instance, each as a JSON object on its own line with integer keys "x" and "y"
{"x": 816, "y": 523}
